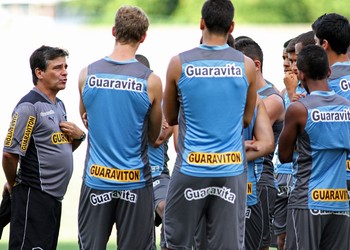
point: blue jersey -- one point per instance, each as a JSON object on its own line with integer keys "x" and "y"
{"x": 323, "y": 149}
{"x": 158, "y": 159}
{"x": 117, "y": 104}
{"x": 212, "y": 93}
{"x": 339, "y": 81}
{"x": 253, "y": 167}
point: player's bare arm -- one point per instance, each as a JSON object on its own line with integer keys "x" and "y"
{"x": 171, "y": 103}
{"x": 155, "y": 93}
{"x": 251, "y": 95}
{"x": 275, "y": 108}
{"x": 264, "y": 141}
{"x": 294, "y": 124}
{"x": 81, "y": 85}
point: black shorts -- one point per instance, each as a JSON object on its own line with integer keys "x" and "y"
{"x": 35, "y": 220}
{"x": 253, "y": 227}
{"x": 267, "y": 196}
{"x": 131, "y": 211}
{"x": 317, "y": 229}
{"x": 280, "y": 211}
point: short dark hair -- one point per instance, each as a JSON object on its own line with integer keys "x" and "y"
{"x": 218, "y": 15}
{"x": 285, "y": 44}
{"x": 313, "y": 62}
{"x": 306, "y": 38}
{"x": 251, "y": 49}
{"x": 335, "y": 29}
{"x": 40, "y": 58}
{"x": 291, "y": 45}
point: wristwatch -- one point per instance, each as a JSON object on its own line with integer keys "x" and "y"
{"x": 82, "y": 137}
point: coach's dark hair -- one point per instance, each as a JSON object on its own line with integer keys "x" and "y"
{"x": 41, "y": 57}
{"x": 313, "y": 62}
{"x": 335, "y": 29}
{"x": 251, "y": 49}
{"x": 218, "y": 15}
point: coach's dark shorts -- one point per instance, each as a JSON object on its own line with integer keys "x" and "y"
{"x": 35, "y": 220}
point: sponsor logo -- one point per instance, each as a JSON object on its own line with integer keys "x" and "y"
{"x": 224, "y": 193}
{"x": 156, "y": 183}
{"x": 106, "y": 83}
{"x": 28, "y": 132}
{"x": 249, "y": 188}
{"x": 50, "y": 112}
{"x": 248, "y": 212}
{"x": 10, "y": 132}
{"x": 344, "y": 85}
{"x": 60, "y": 138}
{"x": 330, "y": 116}
{"x": 330, "y": 195}
{"x": 214, "y": 158}
{"x": 155, "y": 169}
{"x": 98, "y": 199}
{"x": 114, "y": 174}
{"x": 348, "y": 165}
{"x": 230, "y": 70}
{"x": 323, "y": 212}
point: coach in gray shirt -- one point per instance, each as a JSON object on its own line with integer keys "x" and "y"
{"x": 41, "y": 141}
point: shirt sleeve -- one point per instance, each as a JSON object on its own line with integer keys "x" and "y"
{"x": 21, "y": 128}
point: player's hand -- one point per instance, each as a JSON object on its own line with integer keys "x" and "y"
{"x": 250, "y": 146}
{"x": 85, "y": 120}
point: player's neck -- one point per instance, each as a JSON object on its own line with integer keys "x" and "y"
{"x": 260, "y": 81}
{"x": 124, "y": 52}
{"x": 334, "y": 58}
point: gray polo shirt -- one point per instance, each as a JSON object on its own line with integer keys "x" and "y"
{"x": 46, "y": 159}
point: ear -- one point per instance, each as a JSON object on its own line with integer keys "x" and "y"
{"x": 325, "y": 45}
{"x": 39, "y": 73}
{"x": 113, "y": 31}
{"x": 329, "y": 72}
{"x": 143, "y": 38}
{"x": 202, "y": 24}
{"x": 232, "y": 27}
{"x": 257, "y": 65}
